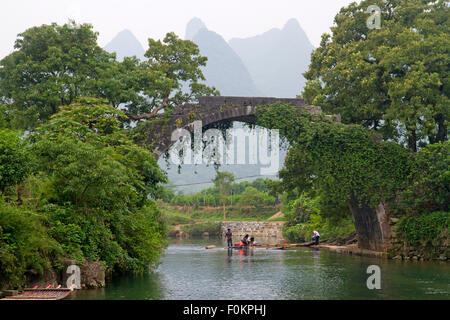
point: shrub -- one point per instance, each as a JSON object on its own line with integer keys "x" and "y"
{"x": 423, "y": 229}
{"x": 25, "y": 246}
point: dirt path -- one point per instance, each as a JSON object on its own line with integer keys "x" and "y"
{"x": 279, "y": 214}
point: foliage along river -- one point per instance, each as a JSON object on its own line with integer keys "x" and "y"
{"x": 189, "y": 271}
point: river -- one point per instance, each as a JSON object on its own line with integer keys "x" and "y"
{"x": 189, "y": 271}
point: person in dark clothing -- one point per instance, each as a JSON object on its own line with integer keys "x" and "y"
{"x": 245, "y": 241}
{"x": 229, "y": 237}
{"x": 251, "y": 242}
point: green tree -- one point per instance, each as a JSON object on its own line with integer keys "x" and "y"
{"x": 254, "y": 198}
{"x": 97, "y": 186}
{"x": 89, "y": 135}
{"x": 174, "y": 70}
{"x": 223, "y": 182}
{"x": 394, "y": 79}
{"x": 429, "y": 183}
{"x": 54, "y": 65}
{"x": 15, "y": 159}
{"x": 5, "y": 118}
{"x": 337, "y": 161}
{"x": 51, "y": 66}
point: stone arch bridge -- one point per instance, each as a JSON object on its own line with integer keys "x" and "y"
{"x": 372, "y": 224}
{"x": 212, "y": 110}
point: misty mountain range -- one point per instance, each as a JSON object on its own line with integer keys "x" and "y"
{"x": 125, "y": 44}
{"x": 270, "y": 64}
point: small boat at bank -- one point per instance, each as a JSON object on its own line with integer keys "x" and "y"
{"x": 41, "y": 294}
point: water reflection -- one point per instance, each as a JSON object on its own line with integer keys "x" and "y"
{"x": 189, "y": 271}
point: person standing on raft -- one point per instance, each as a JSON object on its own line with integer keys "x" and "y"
{"x": 316, "y": 237}
{"x": 229, "y": 237}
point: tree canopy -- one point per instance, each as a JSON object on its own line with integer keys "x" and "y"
{"x": 335, "y": 159}
{"x": 394, "y": 79}
{"x": 223, "y": 182}
{"x": 15, "y": 158}
{"x": 53, "y": 65}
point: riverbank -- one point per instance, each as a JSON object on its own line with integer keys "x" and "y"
{"x": 341, "y": 239}
{"x": 353, "y": 250}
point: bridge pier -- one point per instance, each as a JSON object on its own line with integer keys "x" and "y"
{"x": 372, "y": 225}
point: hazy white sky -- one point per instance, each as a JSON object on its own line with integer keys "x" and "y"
{"x": 151, "y": 18}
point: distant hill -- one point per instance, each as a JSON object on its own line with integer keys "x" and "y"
{"x": 125, "y": 44}
{"x": 193, "y": 27}
{"x": 276, "y": 59}
{"x": 224, "y": 69}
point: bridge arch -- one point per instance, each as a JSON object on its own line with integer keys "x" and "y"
{"x": 211, "y": 110}
{"x": 372, "y": 227}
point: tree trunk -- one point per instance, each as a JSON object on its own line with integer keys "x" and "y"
{"x": 412, "y": 141}
{"x": 442, "y": 130}
{"x": 224, "y": 216}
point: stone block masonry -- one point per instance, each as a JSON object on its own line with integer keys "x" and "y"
{"x": 261, "y": 230}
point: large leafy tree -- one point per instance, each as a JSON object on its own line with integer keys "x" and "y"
{"x": 51, "y": 66}
{"x": 171, "y": 76}
{"x": 97, "y": 184}
{"x": 336, "y": 160}
{"x": 394, "y": 79}
{"x": 54, "y": 65}
{"x": 85, "y": 141}
{"x": 223, "y": 182}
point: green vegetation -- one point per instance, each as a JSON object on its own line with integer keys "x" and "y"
{"x": 64, "y": 63}
{"x": 223, "y": 181}
{"x": 15, "y": 159}
{"x": 428, "y": 189}
{"x": 330, "y": 165}
{"x": 395, "y": 79}
{"x": 73, "y": 181}
{"x": 247, "y": 201}
{"x": 26, "y": 248}
{"x": 304, "y": 215}
{"x": 86, "y": 197}
{"x": 239, "y": 194}
{"x": 422, "y": 229}
{"x": 390, "y": 86}
{"x": 427, "y": 234}
{"x": 336, "y": 159}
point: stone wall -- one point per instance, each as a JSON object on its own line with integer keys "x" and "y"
{"x": 263, "y": 231}
{"x": 92, "y": 274}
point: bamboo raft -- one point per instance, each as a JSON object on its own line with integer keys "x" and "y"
{"x": 267, "y": 246}
{"x": 41, "y": 294}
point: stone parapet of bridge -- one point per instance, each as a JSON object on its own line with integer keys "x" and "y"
{"x": 212, "y": 109}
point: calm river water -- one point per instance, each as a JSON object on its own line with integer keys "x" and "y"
{"x": 189, "y": 271}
